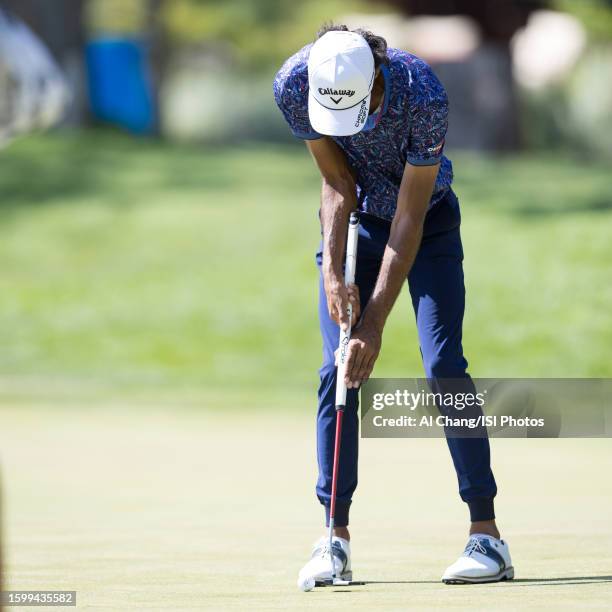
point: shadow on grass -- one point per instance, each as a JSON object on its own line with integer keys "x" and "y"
{"x": 562, "y": 581}
{"x": 77, "y": 166}
{"x": 106, "y": 167}
{"x": 594, "y": 206}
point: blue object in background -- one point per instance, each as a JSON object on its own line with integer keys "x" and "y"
{"x": 120, "y": 88}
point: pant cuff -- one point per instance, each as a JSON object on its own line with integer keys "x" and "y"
{"x": 481, "y": 509}
{"x": 342, "y": 514}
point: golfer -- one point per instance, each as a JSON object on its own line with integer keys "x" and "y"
{"x": 374, "y": 120}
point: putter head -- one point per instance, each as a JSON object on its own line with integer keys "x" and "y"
{"x": 337, "y": 582}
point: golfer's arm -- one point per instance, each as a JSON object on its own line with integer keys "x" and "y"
{"x": 338, "y": 199}
{"x": 404, "y": 241}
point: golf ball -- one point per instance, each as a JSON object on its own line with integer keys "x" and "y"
{"x": 306, "y": 584}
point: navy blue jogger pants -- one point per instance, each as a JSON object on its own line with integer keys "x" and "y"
{"x": 438, "y": 297}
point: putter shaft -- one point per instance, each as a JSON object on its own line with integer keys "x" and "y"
{"x": 345, "y": 336}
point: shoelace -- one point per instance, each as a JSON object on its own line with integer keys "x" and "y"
{"x": 474, "y": 545}
{"x": 323, "y": 551}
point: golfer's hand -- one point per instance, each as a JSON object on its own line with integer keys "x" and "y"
{"x": 338, "y": 297}
{"x": 363, "y": 351}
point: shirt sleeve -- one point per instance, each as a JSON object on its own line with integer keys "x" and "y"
{"x": 291, "y": 95}
{"x": 428, "y": 108}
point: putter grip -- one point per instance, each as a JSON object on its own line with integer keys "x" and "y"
{"x": 345, "y": 336}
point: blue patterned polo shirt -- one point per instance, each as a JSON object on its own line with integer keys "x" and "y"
{"x": 409, "y": 128}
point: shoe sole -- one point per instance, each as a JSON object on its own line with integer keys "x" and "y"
{"x": 506, "y": 574}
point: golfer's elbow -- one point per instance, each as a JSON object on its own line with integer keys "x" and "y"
{"x": 341, "y": 183}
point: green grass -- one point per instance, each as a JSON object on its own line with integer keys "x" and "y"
{"x": 132, "y": 266}
{"x": 197, "y": 510}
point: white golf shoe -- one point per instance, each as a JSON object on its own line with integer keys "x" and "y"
{"x": 319, "y": 567}
{"x": 485, "y": 559}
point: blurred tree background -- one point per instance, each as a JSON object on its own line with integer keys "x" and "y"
{"x": 520, "y": 73}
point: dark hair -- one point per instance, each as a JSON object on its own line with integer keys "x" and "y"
{"x": 378, "y": 44}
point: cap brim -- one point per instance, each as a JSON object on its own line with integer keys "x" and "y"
{"x": 337, "y": 122}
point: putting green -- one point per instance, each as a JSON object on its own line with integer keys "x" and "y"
{"x": 154, "y": 508}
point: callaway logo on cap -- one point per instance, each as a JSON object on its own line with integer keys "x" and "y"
{"x": 340, "y": 79}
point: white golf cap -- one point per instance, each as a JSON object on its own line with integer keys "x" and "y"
{"x": 340, "y": 79}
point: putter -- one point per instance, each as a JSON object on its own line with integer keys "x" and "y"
{"x": 345, "y": 336}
